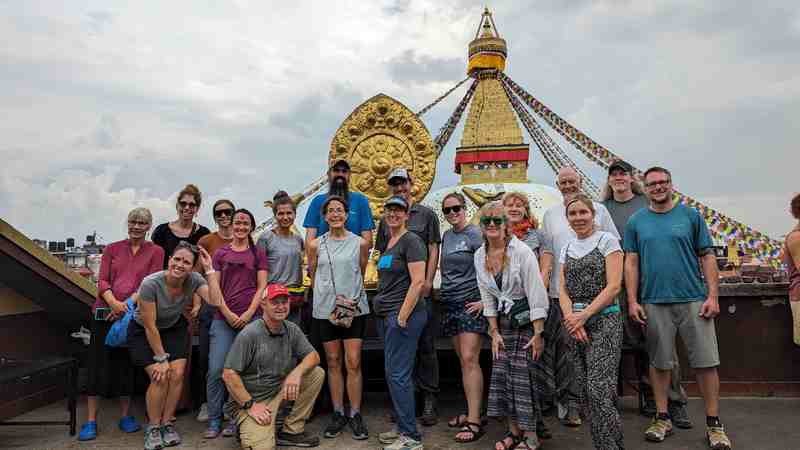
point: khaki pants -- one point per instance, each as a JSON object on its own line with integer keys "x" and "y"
{"x": 262, "y": 437}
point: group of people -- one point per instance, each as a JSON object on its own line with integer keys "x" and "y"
{"x": 557, "y": 300}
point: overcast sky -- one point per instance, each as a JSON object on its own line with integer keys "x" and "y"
{"x": 110, "y": 105}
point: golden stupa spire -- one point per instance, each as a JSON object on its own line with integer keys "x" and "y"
{"x": 488, "y": 50}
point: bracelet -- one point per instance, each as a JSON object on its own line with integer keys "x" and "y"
{"x": 210, "y": 271}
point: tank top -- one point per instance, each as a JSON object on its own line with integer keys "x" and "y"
{"x": 585, "y": 277}
{"x": 346, "y": 269}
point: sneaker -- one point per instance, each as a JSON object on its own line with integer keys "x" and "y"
{"x": 717, "y": 439}
{"x": 658, "y": 430}
{"x": 170, "y": 437}
{"x": 213, "y": 430}
{"x": 388, "y": 437}
{"x": 404, "y": 443}
{"x": 88, "y": 431}
{"x": 202, "y": 415}
{"x": 152, "y": 438}
{"x": 358, "y": 427}
{"x": 680, "y": 417}
{"x": 335, "y": 427}
{"x": 302, "y": 439}
{"x": 429, "y": 415}
{"x": 229, "y": 430}
{"x": 128, "y": 424}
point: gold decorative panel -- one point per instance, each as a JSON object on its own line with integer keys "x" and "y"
{"x": 382, "y": 134}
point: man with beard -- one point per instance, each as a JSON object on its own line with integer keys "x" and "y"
{"x": 425, "y": 224}
{"x": 359, "y": 219}
{"x": 623, "y": 196}
{"x": 557, "y": 233}
{"x": 666, "y": 247}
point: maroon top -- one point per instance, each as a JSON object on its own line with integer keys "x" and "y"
{"x": 238, "y": 277}
{"x": 791, "y": 266}
{"x": 122, "y": 271}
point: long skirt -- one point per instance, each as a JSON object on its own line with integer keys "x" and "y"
{"x": 553, "y": 374}
{"x": 510, "y": 393}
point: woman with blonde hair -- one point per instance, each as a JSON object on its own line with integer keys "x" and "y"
{"x": 521, "y": 222}
{"x": 515, "y": 303}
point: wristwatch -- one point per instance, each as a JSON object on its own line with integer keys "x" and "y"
{"x": 248, "y": 404}
{"x": 161, "y": 358}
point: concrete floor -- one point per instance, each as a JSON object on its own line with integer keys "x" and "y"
{"x": 753, "y": 424}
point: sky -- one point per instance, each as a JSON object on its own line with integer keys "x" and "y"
{"x": 109, "y": 105}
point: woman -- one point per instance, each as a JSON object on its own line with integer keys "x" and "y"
{"x": 792, "y": 260}
{"x": 184, "y": 228}
{"x": 521, "y": 222}
{"x": 461, "y": 310}
{"x": 223, "y": 216}
{"x": 337, "y": 260}
{"x": 284, "y": 251}
{"x": 515, "y": 304}
{"x": 238, "y": 280}
{"x": 401, "y": 275}
{"x": 123, "y": 266}
{"x": 591, "y": 278}
{"x": 157, "y": 337}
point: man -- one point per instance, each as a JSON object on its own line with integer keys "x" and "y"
{"x": 623, "y": 196}
{"x": 271, "y": 362}
{"x": 359, "y": 220}
{"x": 557, "y": 233}
{"x": 666, "y": 246}
{"x": 424, "y": 222}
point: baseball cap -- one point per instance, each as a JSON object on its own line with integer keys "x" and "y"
{"x": 340, "y": 162}
{"x": 396, "y": 201}
{"x": 276, "y": 290}
{"x": 400, "y": 172}
{"x": 620, "y": 165}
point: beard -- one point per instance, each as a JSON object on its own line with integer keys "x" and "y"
{"x": 338, "y": 186}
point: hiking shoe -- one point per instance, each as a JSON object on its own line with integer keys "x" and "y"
{"x": 679, "y": 415}
{"x": 388, "y": 437}
{"x": 335, "y": 427}
{"x": 152, "y": 438}
{"x": 302, "y": 439}
{"x": 229, "y": 430}
{"x": 404, "y": 443}
{"x": 169, "y": 436}
{"x": 658, "y": 430}
{"x": 214, "y": 429}
{"x": 429, "y": 416}
{"x": 88, "y": 431}
{"x": 717, "y": 439}
{"x": 573, "y": 417}
{"x": 358, "y": 427}
{"x": 128, "y": 424}
{"x": 202, "y": 415}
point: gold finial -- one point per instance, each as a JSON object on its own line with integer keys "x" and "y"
{"x": 488, "y": 50}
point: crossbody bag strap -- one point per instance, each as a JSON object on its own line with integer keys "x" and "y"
{"x": 330, "y": 265}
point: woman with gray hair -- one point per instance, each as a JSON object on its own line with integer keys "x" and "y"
{"x": 122, "y": 268}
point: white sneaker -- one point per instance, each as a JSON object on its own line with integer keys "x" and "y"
{"x": 404, "y": 443}
{"x": 83, "y": 334}
{"x": 202, "y": 415}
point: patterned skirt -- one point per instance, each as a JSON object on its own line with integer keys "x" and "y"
{"x": 510, "y": 393}
{"x": 456, "y": 320}
{"x": 553, "y": 373}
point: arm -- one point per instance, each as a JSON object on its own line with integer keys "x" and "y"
{"x": 367, "y": 236}
{"x": 311, "y": 234}
{"x": 417, "y": 272}
{"x": 363, "y": 256}
{"x": 291, "y": 385}
{"x": 563, "y": 297}
{"x": 710, "y": 308}
{"x": 793, "y": 247}
{"x": 430, "y": 268}
{"x": 546, "y": 266}
{"x": 535, "y": 291}
{"x": 259, "y": 411}
{"x": 635, "y": 310}
{"x": 312, "y": 250}
{"x": 261, "y": 284}
{"x": 147, "y": 309}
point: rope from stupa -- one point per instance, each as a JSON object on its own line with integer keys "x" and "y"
{"x": 450, "y": 126}
{"x": 720, "y": 225}
{"x": 441, "y": 97}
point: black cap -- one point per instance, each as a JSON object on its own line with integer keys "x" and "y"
{"x": 340, "y": 162}
{"x": 620, "y": 165}
{"x": 396, "y": 201}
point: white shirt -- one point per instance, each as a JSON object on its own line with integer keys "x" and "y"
{"x": 557, "y": 233}
{"x": 601, "y": 240}
{"x": 521, "y": 279}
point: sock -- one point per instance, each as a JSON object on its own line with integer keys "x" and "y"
{"x": 713, "y": 421}
{"x": 663, "y": 416}
{"x": 353, "y": 412}
{"x": 339, "y": 409}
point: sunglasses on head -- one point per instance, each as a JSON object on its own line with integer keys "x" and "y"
{"x": 455, "y": 208}
{"x": 489, "y": 220}
{"x": 184, "y": 204}
{"x": 223, "y": 212}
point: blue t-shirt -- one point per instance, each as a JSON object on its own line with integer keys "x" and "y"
{"x": 358, "y": 219}
{"x": 668, "y": 245}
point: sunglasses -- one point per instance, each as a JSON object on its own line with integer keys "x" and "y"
{"x": 223, "y": 212}
{"x": 489, "y": 220}
{"x": 455, "y": 209}
{"x": 397, "y": 181}
{"x": 183, "y": 204}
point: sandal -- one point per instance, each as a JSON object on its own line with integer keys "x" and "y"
{"x": 460, "y": 420}
{"x": 515, "y": 441}
{"x": 469, "y": 427}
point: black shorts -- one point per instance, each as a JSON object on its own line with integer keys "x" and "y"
{"x": 174, "y": 339}
{"x": 322, "y": 330}
{"x": 110, "y": 368}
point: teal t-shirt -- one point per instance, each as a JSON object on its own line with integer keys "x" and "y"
{"x": 668, "y": 245}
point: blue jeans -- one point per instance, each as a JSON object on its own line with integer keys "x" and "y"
{"x": 400, "y": 350}
{"x": 220, "y": 339}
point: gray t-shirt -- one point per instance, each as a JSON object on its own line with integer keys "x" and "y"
{"x": 284, "y": 257}
{"x": 393, "y": 276}
{"x": 345, "y": 255}
{"x": 168, "y": 310}
{"x": 263, "y": 359}
{"x": 533, "y": 240}
{"x": 459, "y": 284}
{"x": 421, "y": 220}
{"x": 621, "y": 212}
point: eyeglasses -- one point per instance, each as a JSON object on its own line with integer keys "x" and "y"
{"x": 223, "y": 212}
{"x": 455, "y": 209}
{"x": 138, "y": 223}
{"x": 185, "y": 205}
{"x": 654, "y": 184}
{"x": 489, "y": 220}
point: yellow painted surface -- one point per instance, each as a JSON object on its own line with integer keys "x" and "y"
{"x": 12, "y": 302}
{"x": 486, "y": 61}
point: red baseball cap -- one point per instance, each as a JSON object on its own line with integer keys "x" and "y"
{"x": 276, "y": 290}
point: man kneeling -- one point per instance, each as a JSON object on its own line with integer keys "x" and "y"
{"x": 270, "y": 362}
